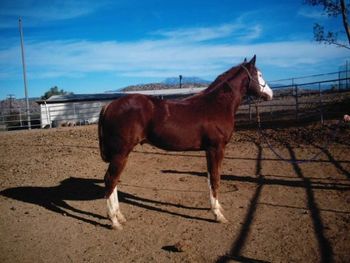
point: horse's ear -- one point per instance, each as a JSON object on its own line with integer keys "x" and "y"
{"x": 245, "y": 60}
{"x": 252, "y": 61}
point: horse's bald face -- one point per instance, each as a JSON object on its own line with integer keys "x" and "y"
{"x": 257, "y": 85}
{"x": 264, "y": 89}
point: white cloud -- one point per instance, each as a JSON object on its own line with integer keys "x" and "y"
{"x": 158, "y": 58}
{"x": 252, "y": 33}
{"x": 191, "y": 51}
{"x": 311, "y": 12}
{"x": 199, "y": 33}
{"x": 237, "y": 31}
{"x": 37, "y": 11}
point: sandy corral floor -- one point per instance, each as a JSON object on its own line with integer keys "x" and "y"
{"x": 52, "y": 207}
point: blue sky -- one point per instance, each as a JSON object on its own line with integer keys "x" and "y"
{"x": 96, "y": 46}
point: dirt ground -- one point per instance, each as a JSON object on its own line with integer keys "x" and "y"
{"x": 52, "y": 207}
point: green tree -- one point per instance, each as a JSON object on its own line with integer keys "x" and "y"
{"x": 332, "y": 8}
{"x": 54, "y": 91}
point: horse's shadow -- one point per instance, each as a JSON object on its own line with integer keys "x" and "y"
{"x": 54, "y": 198}
{"x": 82, "y": 189}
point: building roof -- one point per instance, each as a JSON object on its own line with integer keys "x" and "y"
{"x": 166, "y": 93}
{"x": 80, "y": 97}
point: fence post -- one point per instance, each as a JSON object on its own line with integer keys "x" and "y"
{"x": 20, "y": 117}
{"x": 250, "y": 112}
{"x": 321, "y": 103}
{"x": 271, "y": 112}
{"x": 75, "y": 117}
{"x": 296, "y": 101}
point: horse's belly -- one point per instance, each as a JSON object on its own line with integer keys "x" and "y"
{"x": 180, "y": 140}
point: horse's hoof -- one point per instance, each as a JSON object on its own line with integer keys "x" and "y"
{"x": 219, "y": 217}
{"x": 116, "y": 227}
{"x": 221, "y": 220}
{"x": 121, "y": 217}
{"x": 115, "y": 223}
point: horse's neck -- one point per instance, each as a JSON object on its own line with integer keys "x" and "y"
{"x": 233, "y": 89}
{"x": 238, "y": 88}
{"x": 226, "y": 91}
{"x": 239, "y": 85}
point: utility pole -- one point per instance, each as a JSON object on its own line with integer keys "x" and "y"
{"x": 24, "y": 73}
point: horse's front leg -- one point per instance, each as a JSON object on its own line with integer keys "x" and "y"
{"x": 214, "y": 161}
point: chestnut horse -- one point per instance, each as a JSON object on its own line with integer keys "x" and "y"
{"x": 202, "y": 122}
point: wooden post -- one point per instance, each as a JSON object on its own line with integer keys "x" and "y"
{"x": 250, "y": 112}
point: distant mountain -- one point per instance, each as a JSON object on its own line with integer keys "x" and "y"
{"x": 186, "y": 80}
{"x": 18, "y": 105}
{"x": 169, "y": 83}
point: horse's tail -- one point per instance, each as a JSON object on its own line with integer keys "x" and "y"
{"x": 102, "y": 143}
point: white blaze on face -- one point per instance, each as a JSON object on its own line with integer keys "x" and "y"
{"x": 264, "y": 87}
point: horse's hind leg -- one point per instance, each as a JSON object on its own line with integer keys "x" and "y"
{"x": 112, "y": 177}
{"x": 214, "y": 160}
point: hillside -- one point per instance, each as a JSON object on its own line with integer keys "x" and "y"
{"x": 158, "y": 86}
{"x": 170, "y": 83}
{"x": 16, "y": 105}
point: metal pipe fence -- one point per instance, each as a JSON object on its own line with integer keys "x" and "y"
{"x": 17, "y": 119}
{"x": 312, "y": 101}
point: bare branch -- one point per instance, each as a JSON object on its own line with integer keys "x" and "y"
{"x": 332, "y": 8}
{"x": 345, "y": 19}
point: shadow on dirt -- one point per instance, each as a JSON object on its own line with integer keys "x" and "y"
{"x": 301, "y": 181}
{"x": 325, "y": 247}
{"x": 270, "y": 181}
{"x": 53, "y": 198}
{"x": 82, "y": 189}
{"x": 335, "y": 162}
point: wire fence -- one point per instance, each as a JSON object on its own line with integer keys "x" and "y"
{"x": 294, "y": 102}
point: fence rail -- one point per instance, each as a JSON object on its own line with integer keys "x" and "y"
{"x": 312, "y": 101}
{"x": 18, "y": 119}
